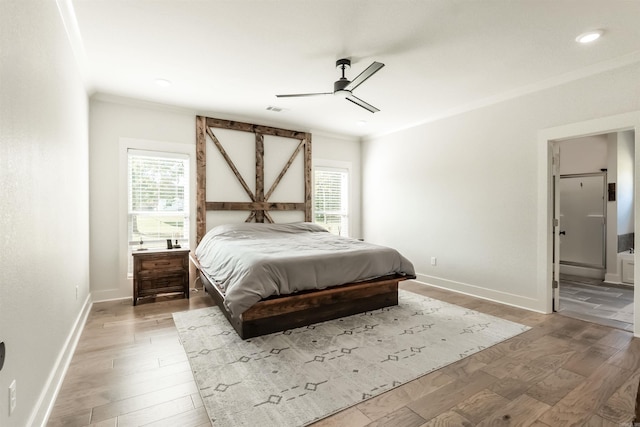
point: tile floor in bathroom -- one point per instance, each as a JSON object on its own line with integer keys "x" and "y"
{"x": 594, "y": 301}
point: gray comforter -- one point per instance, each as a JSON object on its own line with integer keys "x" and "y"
{"x": 251, "y": 261}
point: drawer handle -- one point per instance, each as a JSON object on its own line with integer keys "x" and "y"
{"x": 162, "y": 263}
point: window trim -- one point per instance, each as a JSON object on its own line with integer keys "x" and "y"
{"x": 154, "y": 156}
{"x": 325, "y": 164}
{"x": 126, "y": 144}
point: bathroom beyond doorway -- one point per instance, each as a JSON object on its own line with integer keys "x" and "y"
{"x": 594, "y": 301}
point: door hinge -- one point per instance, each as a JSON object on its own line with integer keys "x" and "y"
{"x": 555, "y": 284}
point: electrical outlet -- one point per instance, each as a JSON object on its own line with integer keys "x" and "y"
{"x": 12, "y": 397}
{"x": 434, "y": 261}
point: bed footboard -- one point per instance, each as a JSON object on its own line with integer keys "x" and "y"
{"x": 280, "y": 313}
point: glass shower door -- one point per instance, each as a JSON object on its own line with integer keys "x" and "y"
{"x": 582, "y": 220}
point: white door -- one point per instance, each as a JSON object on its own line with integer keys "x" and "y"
{"x": 556, "y": 226}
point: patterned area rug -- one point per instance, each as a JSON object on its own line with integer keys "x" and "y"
{"x": 299, "y": 376}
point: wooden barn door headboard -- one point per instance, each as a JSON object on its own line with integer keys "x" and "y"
{"x": 258, "y": 204}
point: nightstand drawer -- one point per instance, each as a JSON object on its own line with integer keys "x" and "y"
{"x": 165, "y": 263}
{"x": 160, "y": 283}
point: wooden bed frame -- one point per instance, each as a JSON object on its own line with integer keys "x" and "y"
{"x": 279, "y": 313}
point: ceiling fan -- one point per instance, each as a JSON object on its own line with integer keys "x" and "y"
{"x": 344, "y": 87}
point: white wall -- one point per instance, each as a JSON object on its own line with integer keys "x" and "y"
{"x": 612, "y": 274}
{"x": 113, "y": 119}
{"x": 583, "y": 155}
{"x": 109, "y": 123}
{"x": 44, "y": 209}
{"x": 332, "y": 148}
{"x": 465, "y": 189}
{"x": 626, "y": 171}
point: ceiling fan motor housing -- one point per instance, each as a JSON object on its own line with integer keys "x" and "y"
{"x": 339, "y": 85}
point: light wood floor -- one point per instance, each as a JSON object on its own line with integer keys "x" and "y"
{"x": 130, "y": 370}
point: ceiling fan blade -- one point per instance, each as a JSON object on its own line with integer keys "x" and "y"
{"x": 370, "y": 71}
{"x": 294, "y": 95}
{"x": 362, "y": 104}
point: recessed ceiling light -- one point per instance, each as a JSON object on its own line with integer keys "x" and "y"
{"x": 163, "y": 82}
{"x": 589, "y": 36}
{"x": 361, "y": 122}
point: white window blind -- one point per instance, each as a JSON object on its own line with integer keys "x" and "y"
{"x": 331, "y": 195}
{"x": 158, "y": 185}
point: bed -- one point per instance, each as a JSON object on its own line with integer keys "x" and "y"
{"x": 305, "y": 293}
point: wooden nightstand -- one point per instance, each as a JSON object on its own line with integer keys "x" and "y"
{"x": 160, "y": 271}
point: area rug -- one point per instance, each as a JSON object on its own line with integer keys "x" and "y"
{"x": 296, "y": 377}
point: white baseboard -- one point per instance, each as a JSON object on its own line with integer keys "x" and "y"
{"x": 109, "y": 295}
{"x": 42, "y": 411}
{"x": 612, "y": 278}
{"x": 513, "y": 300}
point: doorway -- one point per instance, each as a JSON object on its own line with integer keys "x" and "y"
{"x": 593, "y": 205}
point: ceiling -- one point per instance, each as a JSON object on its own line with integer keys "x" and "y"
{"x": 231, "y": 57}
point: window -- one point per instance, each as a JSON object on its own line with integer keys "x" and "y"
{"x": 158, "y": 199}
{"x": 331, "y": 196}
